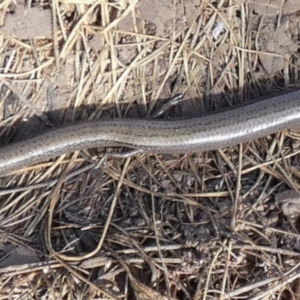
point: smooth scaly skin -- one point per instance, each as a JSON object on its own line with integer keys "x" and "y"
{"x": 210, "y": 132}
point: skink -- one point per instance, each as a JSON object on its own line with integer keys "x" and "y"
{"x": 209, "y": 132}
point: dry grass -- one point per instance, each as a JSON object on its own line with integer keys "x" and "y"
{"x": 200, "y": 226}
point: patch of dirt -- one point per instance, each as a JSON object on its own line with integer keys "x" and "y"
{"x": 273, "y": 7}
{"x": 162, "y": 18}
{"x": 277, "y": 40}
{"x": 28, "y": 23}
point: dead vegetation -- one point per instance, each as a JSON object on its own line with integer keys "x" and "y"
{"x": 200, "y": 226}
